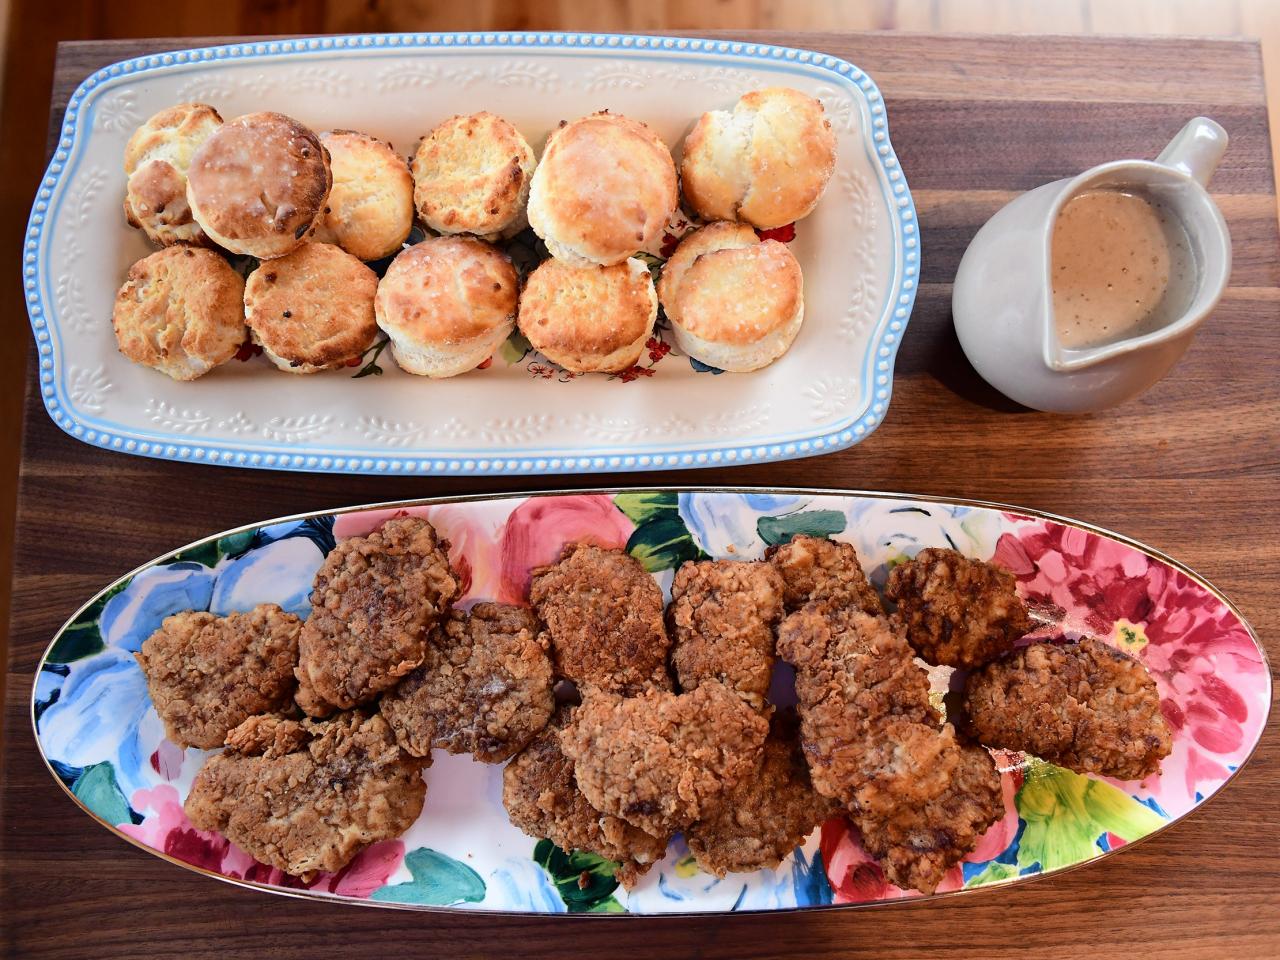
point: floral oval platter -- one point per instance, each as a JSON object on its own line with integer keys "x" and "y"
{"x": 103, "y": 741}
{"x": 518, "y": 413}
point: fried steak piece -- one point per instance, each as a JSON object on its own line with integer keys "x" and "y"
{"x": 722, "y": 617}
{"x": 307, "y": 796}
{"x": 603, "y": 612}
{"x": 542, "y": 799}
{"x": 1085, "y": 706}
{"x": 206, "y": 674}
{"x": 814, "y": 568}
{"x": 956, "y": 611}
{"x": 483, "y": 689}
{"x": 374, "y": 600}
{"x": 767, "y": 815}
{"x": 660, "y": 760}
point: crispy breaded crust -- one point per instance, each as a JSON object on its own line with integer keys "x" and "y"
{"x": 155, "y": 163}
{"x": 604, "y": 615}
{"x": 471, "y": 174}
{"x": 313, "y": 309}
{"x": 589, "y": 319}
{"x": 542, "y": 798}
{"x": 956, "y": 611}
{"x": 767, "y": 815}
{"x": 662, "y": 761}
{"x": 373, "y": 602}
{"x": 721, "y": 235}
{"x": 316, "y": 795}
{"x": 181, "y": 311}
{"x": 918, "y": 844}
{"x": 206, "y": 674}
{"x": 483, "y": 689}
{"x": 767, "y": 162}
{"x": 1085, "y": 706}
{"x": 258, "y": 185}
{"x": 605, "y": 188}
{"x": 369, "y": 211}
{"x": 814, "y": 568}
{"x": 721, "y": 618}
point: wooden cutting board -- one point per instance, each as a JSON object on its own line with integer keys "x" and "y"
{"x": 1192, "y": 467}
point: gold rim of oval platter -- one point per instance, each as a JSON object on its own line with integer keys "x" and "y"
{"x": 310, "y": 894}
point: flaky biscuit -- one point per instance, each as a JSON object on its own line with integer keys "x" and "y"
{"x": 369, "y": 212}
{"x": 180, "y": 311}
{"x": 259, "y": 184}
{"x": 589, "y": 319}
{"x": 313, "y": 309}
{"x": 471, "y": 174}
{"x": 721, "y": 235}
{"x": 156, "y": 161}
{"x": 447, "y": 304}
{"x": 740, "y": 309}
{"x": 604, "y": 189}
{"x": 767, "y": 162}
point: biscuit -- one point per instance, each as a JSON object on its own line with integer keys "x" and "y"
{"x": 589, "y": 319}
{"x": 313, "y": 309}
{"x": 721, "y": 235}
{"x": 767, "y": 162}
{"x": 180, "y": 311}
{"x": 604, "y": 190}
{"x": 447, "y": 304}
{"x": 740, "y": 309}
{"x": 259, "y": 184}
{"x": 369, "y": 212}
{"x": 471, "y": 174}
{"x": 156, "y": 162}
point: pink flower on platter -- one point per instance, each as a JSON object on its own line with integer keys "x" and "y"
{"x": 539, "y": 528}
{"x": 167, "y": 759}
{"x": 472, "y": 531}
{"x": 1212, "y": 682}
{"x": 167, "y": 829}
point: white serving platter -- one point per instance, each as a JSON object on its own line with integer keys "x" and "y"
{"x": 859, "y": 251}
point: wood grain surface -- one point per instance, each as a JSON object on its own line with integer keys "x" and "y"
{"x": 1192, "y": 467}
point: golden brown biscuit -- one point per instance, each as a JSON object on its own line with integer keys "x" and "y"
{"x": 313, "y": 309}
{"x": 741, "y": 308}
{"x": 156, "y": 162}
{"x": 471, "y": 174}
{"x": 721, "y": 235}
{"x": 767, "y": 162}
{"x": 589, "y": 319}
{"x": 181, "y": 311}
{"x": 447, "y": 304}
{"x": 259, "y": 184}
{"x": 369, "y": 212}
{"x": 604, "y": 189}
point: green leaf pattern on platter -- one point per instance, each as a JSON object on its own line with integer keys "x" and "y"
{"x": 82, "y": 638}
{"x": 438, "y": 881}
{"x": 585, "y": 881}
{"x": 661, "y": 541}
{"x": 1066, "y": 813}
{"x": 96, "y": 788}
{"x": 816, "y": 523}
{"x": 994, "y": 872}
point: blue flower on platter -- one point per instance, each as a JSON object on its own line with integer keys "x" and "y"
{"x": 726, "y": 524}
{"x": 99, "y": 716}
{"x": 137, "y": 611}
{"x": 904, "y": 528}
{"x": 522, "y": 885}
{"x": 279, "y": 572}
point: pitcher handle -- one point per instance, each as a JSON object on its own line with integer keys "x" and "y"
{"x": 1196, "y": 150}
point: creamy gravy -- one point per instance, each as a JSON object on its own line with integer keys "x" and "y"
{"x": 1122, "y": 266}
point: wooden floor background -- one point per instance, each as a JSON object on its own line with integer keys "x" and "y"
{"x": 32, "y": 28}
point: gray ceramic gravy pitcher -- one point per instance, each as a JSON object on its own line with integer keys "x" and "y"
{"x": 1003, "y": 299}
